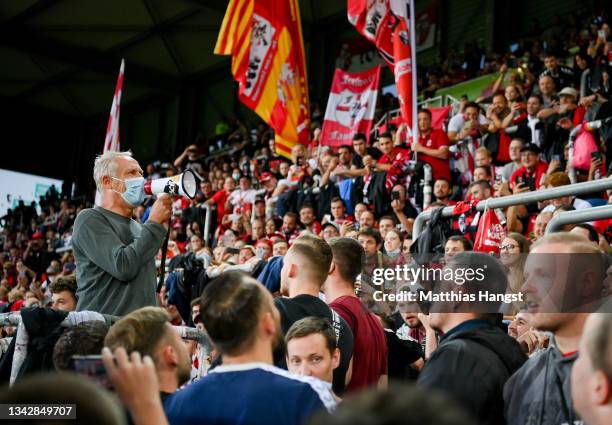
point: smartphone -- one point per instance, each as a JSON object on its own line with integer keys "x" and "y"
{"x": 595, "y": 156}
{"x": 92, "y": 367}
{"x": 395, "y": 196}
{"x": 556, "y": 157}
{"x": 232, "y": 251}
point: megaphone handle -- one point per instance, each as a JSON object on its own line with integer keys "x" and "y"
{"x": 160, "y": 281}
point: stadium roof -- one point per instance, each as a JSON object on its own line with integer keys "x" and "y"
{"x": 65, "y": 54}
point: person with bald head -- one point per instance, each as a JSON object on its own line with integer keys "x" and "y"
{"x": 564, "y": 275}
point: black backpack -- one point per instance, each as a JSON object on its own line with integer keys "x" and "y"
{"x": 429, "y": 246}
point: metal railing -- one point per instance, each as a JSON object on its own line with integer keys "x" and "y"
{"x": 578, "y": 216}
{"x": 521, "y": 198}
{"x": 75, "y": 317}
{"x": 207, "y": 220}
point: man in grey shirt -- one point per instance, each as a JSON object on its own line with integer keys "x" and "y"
{"x": 115, "y": 255}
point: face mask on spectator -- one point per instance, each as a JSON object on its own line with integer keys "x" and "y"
{"x": 236, "y": 176}
{"x": 134, "y": 190}
{"x": 394, "y": 253}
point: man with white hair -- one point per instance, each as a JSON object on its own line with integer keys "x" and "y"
{"x": 115, "y": 255}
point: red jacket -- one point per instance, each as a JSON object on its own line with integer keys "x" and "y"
{"x": 539, "y": 174}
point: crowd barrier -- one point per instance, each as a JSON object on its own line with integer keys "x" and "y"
{"x": 578, "y": 216}
{"x": 74, "y": 318}
{"x": 521, "y": 198}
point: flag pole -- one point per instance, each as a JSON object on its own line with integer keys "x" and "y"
{"x": 415, "y": 94}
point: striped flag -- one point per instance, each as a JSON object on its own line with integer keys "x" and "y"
{"x": 264, "y": 38}
{"x": 111, "y": 141}
{"x": 390, "y": 26}
{"x": 351, "y": 106}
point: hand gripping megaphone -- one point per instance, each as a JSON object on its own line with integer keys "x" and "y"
{"x": 184, "y": 184}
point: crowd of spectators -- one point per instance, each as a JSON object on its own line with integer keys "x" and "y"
{"x": 292, "y": 246}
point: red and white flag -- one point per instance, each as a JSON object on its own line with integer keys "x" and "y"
{"x": 351, "y": 106}
{"x": 111, "y": 141}
{"x": 389, "y": 26}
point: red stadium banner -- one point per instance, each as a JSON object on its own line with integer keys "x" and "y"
{"x": 264, "y": 38}
{"x": 389, "y": 25}
{"x": 351, "y": 106}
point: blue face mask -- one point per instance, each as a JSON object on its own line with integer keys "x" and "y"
{"x": 134, "y": 190}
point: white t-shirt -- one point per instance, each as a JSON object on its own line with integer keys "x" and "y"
{"x": 457, "y": 122}
{"x": 535, "y": 134}
{"x": 239, "y": 197}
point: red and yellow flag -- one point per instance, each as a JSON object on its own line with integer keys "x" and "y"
{"x": 264, "y": 38}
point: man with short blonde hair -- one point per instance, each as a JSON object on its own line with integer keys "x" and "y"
{"x": 149, "y": 332}
{"x": 305, "y": 269}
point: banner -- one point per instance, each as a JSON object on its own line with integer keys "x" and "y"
{"x": 389, "y": 24}
{"x": 264, "y": 38}
{"x": 351, "y": 106}
{"x": 405, "y": 60}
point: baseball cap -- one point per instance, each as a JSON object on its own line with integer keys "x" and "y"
{"x": 329, "y": 223}
{"x": 569, "y": 91}
{"x": 264, "y": 241}
{"x": 530, "y": 147}
{"x": 53, "y": 270}
{"x": 250, "y": 248}
{"x": 38, "y": 235}
{"x": 265, "y": 177}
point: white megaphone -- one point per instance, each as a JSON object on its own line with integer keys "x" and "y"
{"x": 182, "y": 184}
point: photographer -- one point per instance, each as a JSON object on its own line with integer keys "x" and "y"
{"x": 114, "y": 253}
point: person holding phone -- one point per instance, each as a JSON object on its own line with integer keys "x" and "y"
{"x": 532, "y": 172}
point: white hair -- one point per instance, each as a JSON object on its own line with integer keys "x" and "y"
{"x": 106, "y": 165}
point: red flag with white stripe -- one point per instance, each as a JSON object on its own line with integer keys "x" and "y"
{"x": 111, "y": 141}
{"x": 390, "y": 26}
{"x": 351, "y": 106}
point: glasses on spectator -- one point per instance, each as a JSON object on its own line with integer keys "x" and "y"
{"x": 508, "y": 247}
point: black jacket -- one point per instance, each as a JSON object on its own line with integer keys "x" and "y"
{"x": 539, "y": 392}
{"x": 472, "y": 363}
{"x": 44, "y": 329}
